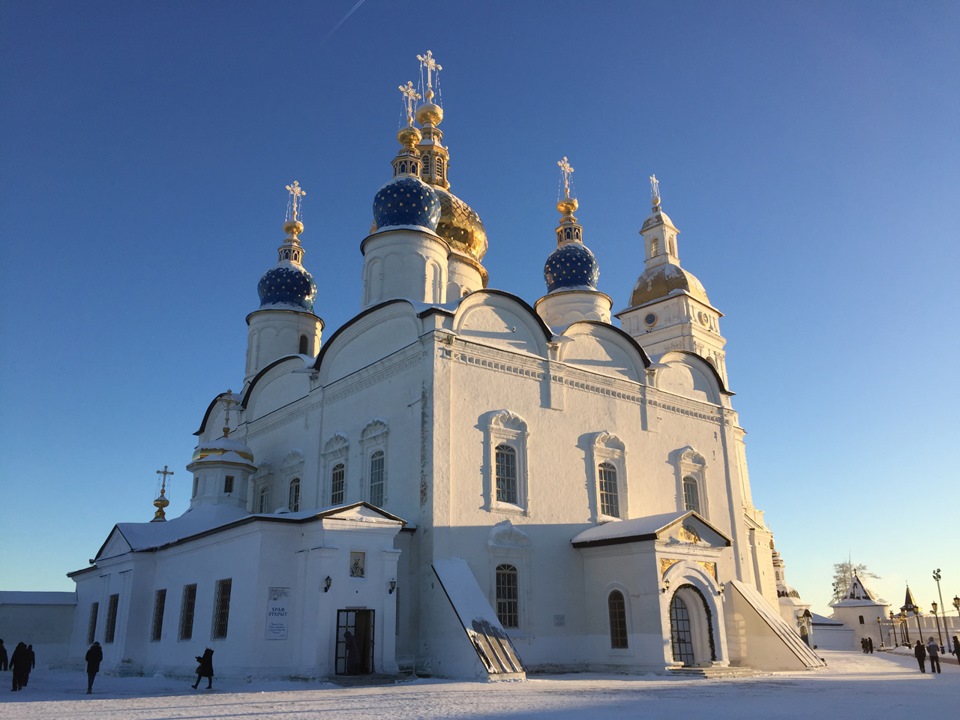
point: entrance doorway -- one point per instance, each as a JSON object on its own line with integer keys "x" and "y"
{"x": 680, "y": 637}
{"x": 691, "y": 628}
{"x": 354, "y": 642}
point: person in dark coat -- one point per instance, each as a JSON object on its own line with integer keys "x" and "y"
{"x": 956, "y": 647}
{"x": 19, "y": 661}
{"x": 205, "y": 668}
{"x": 31, "y": 664}
{"x": 933, "y": 650}
{"x": 920, "y": 653}
{"x": 93, "y": 657}
{"x": 4, "y": 660}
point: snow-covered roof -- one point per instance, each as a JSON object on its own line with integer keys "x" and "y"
{"x": 642, "y": 528}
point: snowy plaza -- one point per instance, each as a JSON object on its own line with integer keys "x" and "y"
{"x": 882, "y": 685}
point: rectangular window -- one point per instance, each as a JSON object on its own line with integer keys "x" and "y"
{"x": 187, "y": 606}
{"x": 336, "y": 484}
{"x": 508, "y": 596}
{"x": 159, "y": 601}
{"x": 293, "y": 499}
{"x": 506, "y": 462}
{"x": 92, "y": 625}
{"x": 691, "y": 495}
{"x": 228, "y": 484}
{"x": 263, "y": 500}
{"x": 376, "y": 478}
{"x": 618, "y": 620}
{"x": 609, "y": 502}
{"x": 221, "y": 610}
{"x": 111, "y": 628}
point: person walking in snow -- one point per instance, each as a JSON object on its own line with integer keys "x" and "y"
{"x": 920, "y": 653}
{"x": 4, "y": 660}
{"x": 19, "y": 661}
{"x": 956, "y": 647}
{"x": 30, "y": 665}
{"x": 933, "y": 650}
{"x": 93, "y": 657}
{"x": 205, "y": 669}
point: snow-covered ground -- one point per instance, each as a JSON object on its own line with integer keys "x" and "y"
{"x": 883, "y": 685}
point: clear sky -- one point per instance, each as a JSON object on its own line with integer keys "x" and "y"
{"x": 809, "y": 153}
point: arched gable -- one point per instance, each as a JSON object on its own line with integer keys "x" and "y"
{"x": 370, "y": 336}
{"x": 689, "y": 375}
{"x": 277, "y": 385}
{"x": 499, "y": 319}
{"x": 602, "y": 348}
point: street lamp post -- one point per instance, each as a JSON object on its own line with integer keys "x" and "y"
{"x": 904, "y": 628}
{"x": 936, "y": 576}
{"x": 893, "y": 629}
{"x": 933, "y": 606}
{"x": 880, "y": 629}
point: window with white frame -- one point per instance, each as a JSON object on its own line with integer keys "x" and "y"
{"x": 617, "y": 612}
{"x": 335, "y": 452}
{"x": 263, "y": 499}
{"x": 292, "y": 468}
{"x": 373, "y": 443}
{"x": 608, "y": 484}
{"x": 691, "y": 469}
{"x": 508, "y": 596}
{"x": 293, "y": 497}
{"x": 505, "y": 467}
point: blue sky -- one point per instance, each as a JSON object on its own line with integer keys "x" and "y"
{"x": 808, "y": 152}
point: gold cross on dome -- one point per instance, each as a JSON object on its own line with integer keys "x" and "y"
{"x": 567, "y": 170}
{"x": 228, "y": 397}
{"x": 296, "y": 199}
{"x": 431, "y": 65}
{"x": 164, "y": 473}
{"x": 655, "y": 189}
{"x": 410, "y": 95}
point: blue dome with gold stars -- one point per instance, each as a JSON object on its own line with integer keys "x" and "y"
{"x": 406, "y": 200}
{"x": 288, "y": 285}
{"x": 571, "y": 266}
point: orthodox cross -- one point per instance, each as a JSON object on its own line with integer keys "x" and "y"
{"x": 655, "y": 189}
{"x": 567, "y": 170}
{"x": 164, "y": 473}
{"x": 296, "y": 199}
{"x": 431, "y": 65}
{"x": 410, "y": 95}
{"x": 228, "y": 398}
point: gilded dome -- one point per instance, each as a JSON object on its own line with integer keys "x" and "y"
{"x": 460, "y": 226}
{"x": 429, "y": 114}
{"x": 663, "y": 280}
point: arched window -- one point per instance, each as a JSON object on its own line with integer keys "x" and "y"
{"x": 263, "y": 499}
{"x": 617, "y": 611}
{"x": 336, "y": 484}
{"x": 691, "y": 494}
{"x": 293, "y": 501}
{"x": 654, "y": 247}
{"x": 506, "y": 470}
{"x": 304, "y": 345}
{"x": 609, "y": 502}
{"x": 376, "y": 478}
{"x": 508, "y": 596}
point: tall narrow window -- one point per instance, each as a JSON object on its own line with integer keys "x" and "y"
{"x": 92, "y": 625}
{"x": 228, "y": 485}
{"x": 263, "y": 499}
{"x": 304, "y": 346}
{"x": 159, "y": 601}
{"x": 691, "y": 494}
{"x": 508, "y": 596}
{"x": 196, "y": 485}
{"x": 187, "y": 607}
{"x": 506, "y": 468}
{"x": 111, "y": 629}
{"x": 221, "y": 608}
{"x": 336, "y": 484}
{"x": 617, "y": 611}
{"x": 609, "y": 502}
{"x": 293, "y": 501}
{"x": 376, "y": 478}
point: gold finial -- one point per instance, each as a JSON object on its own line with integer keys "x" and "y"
{"x": 566, "y": 169}
{"x": 655, "y": 191}
{"x": 295, "y": 205}
{"x": 229, "y": 402}
{"x": 161, "y": 502}
{"x": 432, "y": 66}
{"x": 567, "y": 205}
{"x": 410, "y": 95}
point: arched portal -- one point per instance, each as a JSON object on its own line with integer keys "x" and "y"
{"x": 691, "y": 628}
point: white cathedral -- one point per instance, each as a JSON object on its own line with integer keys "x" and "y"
{"x": 456, "y": 482}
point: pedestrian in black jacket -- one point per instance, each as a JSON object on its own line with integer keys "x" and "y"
{"x": 93, "y": 657}
{"x": 920, "y": 653}
{"x": 19, "y": 664}
{"x": 4, "y": 660}
{"x": 205, "y": 668}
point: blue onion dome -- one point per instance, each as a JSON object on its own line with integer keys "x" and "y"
{"x": 288, "y": 285}
{"x": 406, "y": 200}
{"x": 571, "y": 266}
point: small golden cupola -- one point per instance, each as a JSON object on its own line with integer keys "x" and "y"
{"x": 459, "y": 225}
{"x": 161, "y": 503}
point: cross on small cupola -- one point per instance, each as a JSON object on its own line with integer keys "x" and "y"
{"x": 228, "y": 401}
{"x": 295, "y": 204}
{"x": 410, "y": 95}
{"x": 161, "y": 503}
{"x": 655, "y": 191}
{"x": 428, "y": 62}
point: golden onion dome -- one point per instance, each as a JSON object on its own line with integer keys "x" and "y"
{"x": 567, "y": 205}
{"x": 460, "y": 226}
{"x": 409, "y": 136}
{"x": 429, "y": 114}
{"x": 224, "y": 446}
{"x": 658, "y": 282}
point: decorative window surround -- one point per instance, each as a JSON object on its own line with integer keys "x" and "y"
{"x": 691, "y": 466}
{"x": 608, "y": 449}
{"x": 335, "y": 452}
{"x": 504, "y": 428}
{"x": 373, "y": 440}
